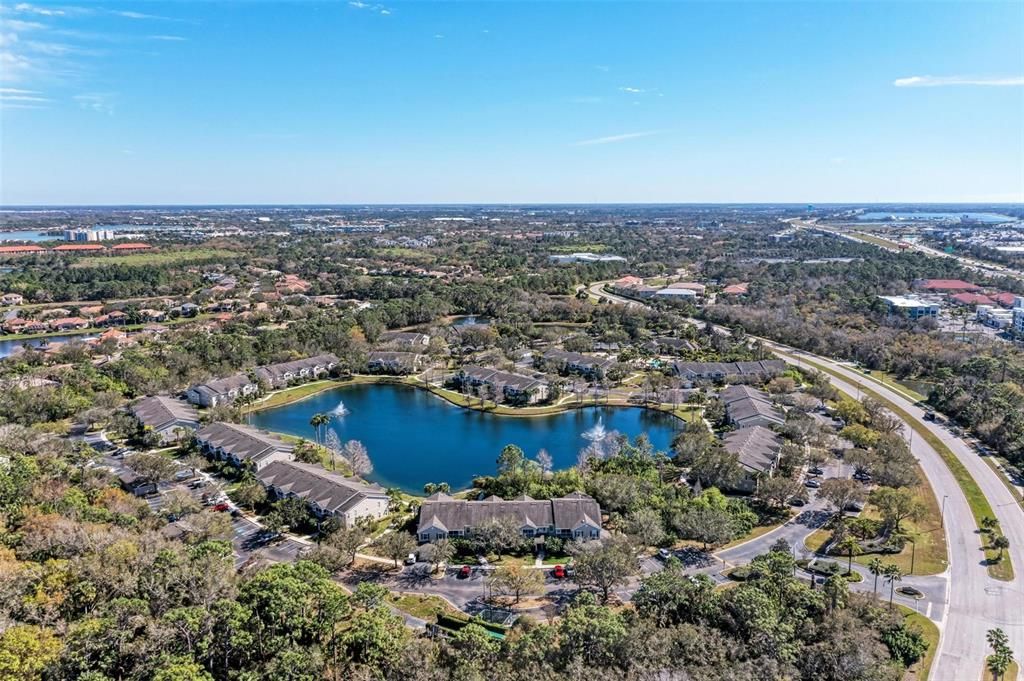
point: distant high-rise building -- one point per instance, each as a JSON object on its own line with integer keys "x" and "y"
{"x": 88, "y": 234}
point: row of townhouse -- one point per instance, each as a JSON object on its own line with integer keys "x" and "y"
{"x": 746, "y": 406}
{"x": 397, "y": 363}
{"x": 691, "y": 372}
{"x": 328, "y": 494}
{"x": 169, "y": 419}
{"x": 591, "y": 366}
{"x": 514, "y": 388}
{"x": 226, "y": 390}
{"x": 757, "y": 450}
{"x": 574, "y": 516}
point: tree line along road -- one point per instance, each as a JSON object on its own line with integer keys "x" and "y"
{"x": 976, "y": 602}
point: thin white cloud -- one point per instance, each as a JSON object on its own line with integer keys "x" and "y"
{"x": 168, "y": 38}
{"x": 611, "y": 139}
{"x": 632, "y": 90}
{"x": 17, "y": 98}
{"x": 439, "y": 36}
{"x": 138, "y": 15}
{"x": 100, "y": 102}
{"x": 373, "y": 7}
{"x": 19, "y": 25}
{"x": 940, "y": 81}
{"x": 26, "y": 8}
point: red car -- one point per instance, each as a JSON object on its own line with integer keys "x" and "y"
{"x": 558, "y": 572}
{"x": 464, "y": 572}
{"x": 221, "y": 507}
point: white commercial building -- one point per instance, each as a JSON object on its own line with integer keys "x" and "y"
{"x": 910, "y": 307}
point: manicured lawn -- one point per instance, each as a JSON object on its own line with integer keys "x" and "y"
{"x": 294, "y": 394}
{"x": 157, "y": 258}
{"x": 754, "y": 533}
{"x": 979, "y": 505}
{"x": 920, "y": 671}
{"x": 423, "y": 606}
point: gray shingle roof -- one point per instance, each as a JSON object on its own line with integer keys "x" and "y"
{"x": 243, "y": 442}
{"x": 756, "y": 448}
{"x": 160, "y": 411}
{"x": 330, "y": 491}
{"x": 274, "y": 372}
{"x": 221, "y": 386}
{"x": 564, "y": 513}
{"x": 501, "y": 378}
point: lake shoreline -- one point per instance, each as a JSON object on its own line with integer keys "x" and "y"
{"x": 299, "y": 393}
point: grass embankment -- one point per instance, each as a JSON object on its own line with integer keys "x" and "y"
{"x": 157, "y": 257}
{"x": 980, "y": 508}
{"x": 423, "y": 606}
{"x": 930, "y": 556}
{"x": 1011, "y": 674}
{"x": 877, "y": 241}
{"x": 892, "y": 384}
{"x": 296, "y": 393}
{"x": 930, "y": 632}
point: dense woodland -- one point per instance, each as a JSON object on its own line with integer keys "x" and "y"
{"x": 92, "y": 588}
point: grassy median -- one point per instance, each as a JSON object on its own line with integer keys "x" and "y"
{"x": 980, "y": 508}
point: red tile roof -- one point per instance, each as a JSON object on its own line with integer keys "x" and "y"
{"x": 21, "y": 249}
{"x": 130, "y": 247}
{"x": 971, "y": 299}
{"x": 735, "y": 289}
{"x": 947, "y": 285}
{"x": 1005, "y": 299}
{"x": 79, "y": 247}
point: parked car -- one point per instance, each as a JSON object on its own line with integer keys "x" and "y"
{"x": 235, "y": 513}
{"x": 910, "y": 591}
{"x": 410, "y": 559}
{"x": 816, "y": 471}
{"x": 481, "y": 560}
{"x": 664, "y": 554}
{"x": 558, "y": 572}
{"x": 813, "y": 483}
{"x": 797, "y": 501}
{"x": 196, "y": 484}
{"x": 221, "y": 507}
{"x": 464, "y": 571}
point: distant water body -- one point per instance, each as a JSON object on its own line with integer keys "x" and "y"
{"x": 35, "y": 236}
{"x": 993, "y": 218}
{"x": 8, "y": 347}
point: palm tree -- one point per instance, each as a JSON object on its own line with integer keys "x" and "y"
{"x": 988, "y": 523}
{"x": 1001, "y": 658}
{"x": 1001, "y": 543}
{"x": 318, "y": 421}
{"x": 876, "y": 567}
{"x": 850, "y": 544}
{"x": 892, "y": 574}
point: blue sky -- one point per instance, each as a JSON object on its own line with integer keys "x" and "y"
{"x": 428, "y": 102}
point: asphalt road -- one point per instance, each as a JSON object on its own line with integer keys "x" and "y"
{"x": 975, "y": 602}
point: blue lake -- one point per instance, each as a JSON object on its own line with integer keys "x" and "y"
{"x": 414, "y": 437}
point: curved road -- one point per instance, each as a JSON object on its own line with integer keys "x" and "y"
{"x": 975, "y": 601}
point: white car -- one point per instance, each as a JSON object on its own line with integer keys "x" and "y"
{"x": 410, "y": 559}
